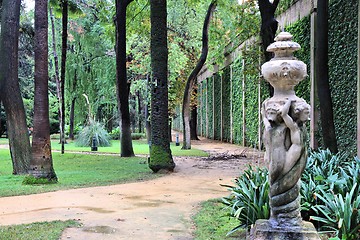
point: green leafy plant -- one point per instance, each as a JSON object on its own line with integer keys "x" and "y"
{"x": 248, "y": 200}
{"x": 94, "y": 129}
{"x": 137, "y": 136}
{"x": 31, "y": 180}
{"x": 339, "y": 213}
{"x": 115, "y": 134}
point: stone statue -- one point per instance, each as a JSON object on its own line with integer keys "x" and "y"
{"x": 284, "y": 116}
{"x": 284, "y": 138}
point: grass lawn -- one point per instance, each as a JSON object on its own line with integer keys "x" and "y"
{"x": 36, "y": 231}
{"x": 75, "y": 171}
{"x": 141, "y": 147}
{"x": 212, "y": 223}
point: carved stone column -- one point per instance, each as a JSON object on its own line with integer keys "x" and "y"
{"x": 284, "y": 116}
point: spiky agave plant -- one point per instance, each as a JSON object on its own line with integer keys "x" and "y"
{"x": 94, "y": 129}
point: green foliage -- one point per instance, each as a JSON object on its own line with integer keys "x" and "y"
{"x": 343, "y": 19}
{"x": 249, "y": 198}
{"x": 237, "y": 100}
{"x": 340, "y": 213}
{"x": 226, "y": 98}
{"x": 137, "y": 136}
{"x": 94, "y": 129}
{"x": 330, "y": 194}
{"x": 115, "y": 133}
{"x": 31, "y": 180}
{"x": 210, "y": 106}
{"x": 217, "y": 110}
{"x": 36, "y": 231}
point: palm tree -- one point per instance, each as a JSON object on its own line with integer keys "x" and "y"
{"x": 41, "y": 165}
{"x": 10, "y": 90}
{"x": 160, "y": 153}
{"x": 122, "y": 86}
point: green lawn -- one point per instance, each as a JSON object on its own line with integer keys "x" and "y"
{"x": 212, "y": 222}
{"x": 36, "y": 231}
{"x": 141, "y": 147}
{"x": 75, "y": 171}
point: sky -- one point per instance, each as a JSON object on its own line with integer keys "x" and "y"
{"x": 29, "y": 4}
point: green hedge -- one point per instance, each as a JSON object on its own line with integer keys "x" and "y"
{"x": 226, "y": 107}
{"x": 217, "y": 106}
{"x": 237, "y": 98}
{"x": 343, "y": 25}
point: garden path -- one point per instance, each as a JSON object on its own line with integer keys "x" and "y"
{"x": 155, "y": 209}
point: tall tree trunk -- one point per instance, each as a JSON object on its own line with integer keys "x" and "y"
{"x": 19, "y": 142}
{"x": 190, "y": 82}
{"x": 72, "y": 108}
{"x": 56, "y": 66}
{"x": 71, "y": 119}
{"x": 322, "y": 77}
{"x": 139, "y": 112}
{"x": 193, "y": 119}
{"x": 268, "y": 29}
{"x": 41, "y": 165}
{"x": 160, "y": 152}
{"x": 122, "y": 86}
{"x": 63, "y": 71}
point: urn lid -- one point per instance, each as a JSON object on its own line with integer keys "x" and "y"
{"x": 283, "y": 47}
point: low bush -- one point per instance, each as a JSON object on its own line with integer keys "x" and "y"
{"x": 137, "y": 136}
{"x": 249, "y": 199}
{"x": 115, "y": 134}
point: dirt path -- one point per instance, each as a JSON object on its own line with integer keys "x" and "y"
{"x": 156, "y": 209}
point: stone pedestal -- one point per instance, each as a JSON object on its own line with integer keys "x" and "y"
{"x": 264, "y": 230}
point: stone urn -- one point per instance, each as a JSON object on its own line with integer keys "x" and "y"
{"x": 284, "y": 116}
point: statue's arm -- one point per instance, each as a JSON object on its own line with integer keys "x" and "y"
{"x": 287, "y": 119}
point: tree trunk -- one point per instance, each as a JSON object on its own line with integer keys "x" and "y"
{"x": 190, "y": 82}
{"x": 19, "y": 142}
{"x": 358, "y": 87}
{"x": 268, "y": 29}
{"x": 72, "y": 108}
{"x": 193, "y": 124}
{"x": 122, "y": 87}
{"x": 139, "y": 112}
{"x": 56, "y": 66}
{"x": 71, "y": 120}
{"x": 41, "y": 165}
{"x": 63, "y": 71}
{"x": 160, "y": 152}
{"x": 193, "y": 120}
{"x": 322, "y": 77}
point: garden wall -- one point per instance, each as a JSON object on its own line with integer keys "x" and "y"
{"x": 229, "y": 99}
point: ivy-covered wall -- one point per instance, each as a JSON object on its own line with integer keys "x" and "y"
{"x": 222, "y": 94}
{"x": 343, "y": 25}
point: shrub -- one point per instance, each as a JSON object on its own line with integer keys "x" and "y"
{"x": 94, "y": 129}
{"x": 137, "y": 136}
{"x": 249, "y": 200}
{"x": 330, "y": 195}
{"x": 115, "y": 134}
